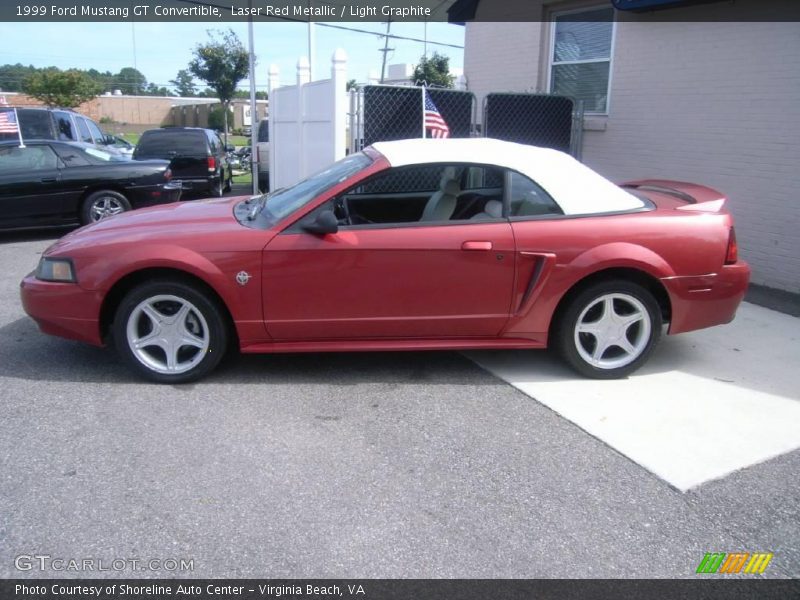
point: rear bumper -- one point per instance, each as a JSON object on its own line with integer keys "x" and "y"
{"x": 63, "y": 309}
{"x": 196, "y": 183}
{"x": 156, "y": 194}
{"x": 700, "y": 301}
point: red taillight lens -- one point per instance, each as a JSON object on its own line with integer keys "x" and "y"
{"x": 168, "y": 174}
{"x": 732, "y": 254}
{"x": 212, "y": 164}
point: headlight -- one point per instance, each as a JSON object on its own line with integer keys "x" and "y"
{"x": 56, "y": 269}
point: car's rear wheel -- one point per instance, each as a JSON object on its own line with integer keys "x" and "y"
{"x": 170, "y": 332}
{"x": 217, "y": 188}
{"x": 609, "y": 329}
{"x": 103, "y": 204}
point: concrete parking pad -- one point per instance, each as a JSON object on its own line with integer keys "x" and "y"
{"x": 707, "y": 404}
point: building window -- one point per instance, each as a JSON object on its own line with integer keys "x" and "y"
{"x": 580, "y": 62}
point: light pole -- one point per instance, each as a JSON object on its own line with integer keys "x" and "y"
{"x": 253, "y": 107}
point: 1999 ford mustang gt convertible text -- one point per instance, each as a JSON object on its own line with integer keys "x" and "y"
{"x": 408, "y": 245}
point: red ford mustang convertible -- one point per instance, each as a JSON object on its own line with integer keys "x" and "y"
{"x": 408, "y": 245}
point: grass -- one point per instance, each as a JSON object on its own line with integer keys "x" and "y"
{"x": 243, "y": 178}
{"x": 133, "y": 138}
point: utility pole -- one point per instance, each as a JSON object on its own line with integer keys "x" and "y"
{"x": 385, "y": 50}
{"x": 253, "y": 106}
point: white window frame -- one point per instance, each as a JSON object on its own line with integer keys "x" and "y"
{"x": 610, "y": 59}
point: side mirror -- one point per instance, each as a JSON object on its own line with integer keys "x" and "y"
{"x": 326, "y": 222}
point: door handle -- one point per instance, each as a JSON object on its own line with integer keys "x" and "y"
{"x": 476, "y": 246}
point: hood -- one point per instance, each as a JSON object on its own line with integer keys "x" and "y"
{"x": 200, "y": 224}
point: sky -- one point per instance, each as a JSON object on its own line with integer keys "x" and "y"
{"x": 162, "y": 49}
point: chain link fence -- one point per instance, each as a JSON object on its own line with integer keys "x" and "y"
{"x": 536, "y": 119}
{"x": 380, "y": 113}
{"x": 384, "y": 112}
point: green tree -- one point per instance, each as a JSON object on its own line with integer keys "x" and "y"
{"x": 352, "y": 84}
{"x": 245, "y": 95}
{"x": 433, "y": 70}
{"x": 155, "y": 90}
{"x": 61, "y": 88}
{"x": 217, "y": 118}
{"x": 13, "y": 76}
{"x": 184, "y": 84}
{"x": 131, "y": 81}
{"x": 222, "y": 63}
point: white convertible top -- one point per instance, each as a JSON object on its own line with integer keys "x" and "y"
{"x": 577, "y": 189}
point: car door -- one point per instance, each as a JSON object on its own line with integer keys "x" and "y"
{"x": 30, "y": 185}
{"x": 407, "y": 273}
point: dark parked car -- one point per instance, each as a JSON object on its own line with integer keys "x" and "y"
{"x": 47, "y": 182}
{"x": 199, "y": 158}
{"x": 57, "y": 124}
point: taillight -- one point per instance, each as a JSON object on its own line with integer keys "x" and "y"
{"x": 212, "y": 164}
{"x": 732, "y": 254}
{"x": 168, "y": 174}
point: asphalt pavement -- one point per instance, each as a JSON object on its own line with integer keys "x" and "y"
{"x": 343, "y": 465}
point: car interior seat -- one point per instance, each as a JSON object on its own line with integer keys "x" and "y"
{"x": 442, "y": 203}
{"x": 493, "y": 209}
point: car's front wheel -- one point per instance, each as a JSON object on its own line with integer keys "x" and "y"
{"x": 103, "y": 204}
{"x": 609, "y": 329}
{"x": 170, "y": 332}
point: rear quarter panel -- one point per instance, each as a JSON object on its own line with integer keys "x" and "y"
{"x": 661, "y": 243}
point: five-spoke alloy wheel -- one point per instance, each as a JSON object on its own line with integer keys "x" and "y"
{"x": 609, "y": 329}
{"x": 172, "y": 332}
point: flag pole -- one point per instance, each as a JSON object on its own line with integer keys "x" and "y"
{"x": 423, "y": 112}
{"x": 19, "y": 128}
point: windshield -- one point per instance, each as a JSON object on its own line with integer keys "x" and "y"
{"x": 284, "y": 202}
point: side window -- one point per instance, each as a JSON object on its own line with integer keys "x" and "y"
{"x": 83, "y": 130}
{"x": 527, "y": 199}
{"x": 65, "y": 130}
{"x": 424, "y": 194}
{"x": 213, "y": 142}
{"x": 29, "y": 158}
{"x": 263, "y": 131}
{"x": 72, "y": 157}
{"x": 94, "y": 130}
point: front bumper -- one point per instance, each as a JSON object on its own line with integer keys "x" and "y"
{"x": 700, "y": 301}
{"x": 63, "y": 309}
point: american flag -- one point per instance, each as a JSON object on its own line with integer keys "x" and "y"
{"x": 433, "y": 119}
{"x": 8, "y": 122}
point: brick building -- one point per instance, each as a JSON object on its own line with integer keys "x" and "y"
{"x": 684, "y": 93}
{"x": 132, "y": 114}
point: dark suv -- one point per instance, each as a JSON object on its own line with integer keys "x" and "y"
{"x": 198, "y": 156}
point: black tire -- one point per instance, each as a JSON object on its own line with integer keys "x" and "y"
{"x": 204, "y": 316}
{"x": 604, "y": 355}
{"x": 217, "y": 188}
{"x": 228, "y": 184}
{"x": 102, "y": 204}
